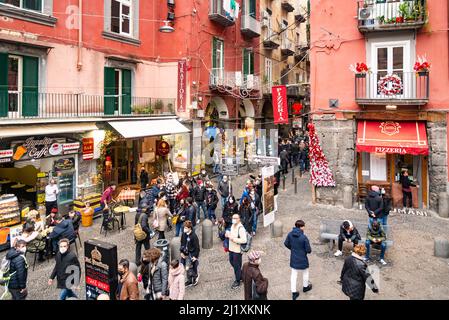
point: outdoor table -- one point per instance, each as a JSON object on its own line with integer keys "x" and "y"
{"x": 5, "y": 181}
{"x": 18, "y": 186}
{"x": 3, "y": 185}
{"x": 121, "y": 210}
{"x": 126, "y": 195}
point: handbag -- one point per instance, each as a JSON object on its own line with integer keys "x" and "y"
{"x": 139, "y": 234}
{"x": 245, "y": 247}
{"x": 156, "y": 221}
{"x": 175, "y": 219}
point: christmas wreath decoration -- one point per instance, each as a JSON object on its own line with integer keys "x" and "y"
{"x": 390, "y": 85}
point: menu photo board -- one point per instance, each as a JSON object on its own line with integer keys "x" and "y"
{"x": 101, "y": 269}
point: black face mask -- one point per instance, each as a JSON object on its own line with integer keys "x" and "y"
{"x": 121, "y": 273}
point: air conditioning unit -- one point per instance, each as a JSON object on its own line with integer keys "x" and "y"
{"x": 265, "y": 19}
{"x": 366, "y": 13}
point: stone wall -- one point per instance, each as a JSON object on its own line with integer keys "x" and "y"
{"x": 437, "y": 137}
{"x": 337, "y": 139}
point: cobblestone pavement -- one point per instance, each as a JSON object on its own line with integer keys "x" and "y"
{"x": 412, "y": 271}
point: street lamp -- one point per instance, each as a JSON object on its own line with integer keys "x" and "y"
{"x": 166, "y": 28}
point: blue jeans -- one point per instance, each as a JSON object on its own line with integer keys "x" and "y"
{"x": 254, "y": 220}
{"x": 223, "y": 201}
{"x": 201, "y": 206}
{"x": 383, "y": 248}
{"x": 301, "y": 165}
{"x": 211, "y": 214}
{"x": 67, "y": 293}
{"x": 216, "y": 168}
{"x": 179, "y": 226}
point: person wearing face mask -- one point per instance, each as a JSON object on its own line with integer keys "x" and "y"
{"x": 230, "y": 208}
{"x": 237, "y": 237}
{"x": 246, "y": 214}
{"x": 211, "y": 202}
{"x": 128, "y": 286}
{"x": 170, "y": 190}
{"x": 374, "y": 204}
{"x": 203, "y": 175}
{"x": 63, "y": 269}
{"x": 199, "y": 195}
{"x": 190, "y": 252}
{"x": 254, "y": 284}
{"x": 255, "y": 208}
{"x": 18, "y": 271}
{"x": 225, "y": 190}
{"x": 51, "y": 196}
{"x": 190, "y": 183}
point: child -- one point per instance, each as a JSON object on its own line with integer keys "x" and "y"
{"x": 176, "y": 281}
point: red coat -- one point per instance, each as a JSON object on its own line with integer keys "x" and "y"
{"x": 183, "y": 194}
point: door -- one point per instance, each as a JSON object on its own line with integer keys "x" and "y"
{"x": 126, "y": 91}
{"x": 110, "y": 100}
{"x": 391, "y": 60}
{"x": 30, "y": 86}
{"x": 14, "y": 86}
{"x": 218, "y": 60}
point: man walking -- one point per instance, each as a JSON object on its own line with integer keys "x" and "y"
{"x": 236, "y": 236}
{"x": 67, "y": 264}
{"x": 142, "y": 219}
{"x": 128, "y": 286}
{"x": 143, "y": 178}
{"x": 51, "y": 196}
{"x": 224, "y": 189}
{"x": 299, "y": 247}
{"x": 18, "y": 271}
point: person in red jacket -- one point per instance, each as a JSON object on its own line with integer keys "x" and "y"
{"x": 183, "y": 193}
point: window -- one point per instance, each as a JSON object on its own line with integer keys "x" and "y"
{"x": 378, "y": 167}
{"x": 218, "y": 58}
{"x": 35, "y": 5}
{"x": 117, "y": 91}
{"x": 268, "y": 72}
{"x": 19, "y": 82}
{"x": 250, "y": 8}
{"x": 248, "y": 62}
{"x": 121, "y": 17}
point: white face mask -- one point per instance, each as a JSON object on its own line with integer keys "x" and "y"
{"x": 186, "y": 230}
{"x": 234, "y": 221}
{"x": 23, "y": 249}
{"x": 63, "y": 250}
{"x": 209, "y": 189}
{"x": 231, "y": 201}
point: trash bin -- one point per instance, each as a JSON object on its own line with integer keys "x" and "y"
{"x": 87, "y": 218}
{"x": 164, "y": 246}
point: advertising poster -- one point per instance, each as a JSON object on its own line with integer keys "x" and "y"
{"x": 269, "y": 208}
{"x": 101, "y": 269}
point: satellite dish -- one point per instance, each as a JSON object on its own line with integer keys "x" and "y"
{"x": 365, "y": 13}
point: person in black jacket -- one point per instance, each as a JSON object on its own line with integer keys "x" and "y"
{"x": 348, "y": 233}
{"x": 230, "y": 208}
{"x": 199, "y": 195}
{"x": 295, "y": 153}
{"x": 143, "y": 178}
{"x": 211, "y": 202}
{"x": 190, "y": 251}
{"x": 191, "y": 211}
{"x": 67, "y": 265}
{"x": 374, "y": 203}
{"x": 406, "y": 190}
{"x": 142, "y": 219}
{"x": 246, "y": 215}
{"x": 18, "y": 271}
{"x": 354, "y": 275}
{"x": 64, "y": 229}
{"x": 76, "y": 220}
{"x": 386, "y": 207}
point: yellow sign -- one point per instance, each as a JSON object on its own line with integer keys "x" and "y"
{"x": 41, "y": 174}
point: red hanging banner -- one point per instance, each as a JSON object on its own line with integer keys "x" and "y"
{"x": 182, "y": 68}
{"x": 280, "y": 109}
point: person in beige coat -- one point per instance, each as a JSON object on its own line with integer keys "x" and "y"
{"x": 160, "y": 216}
{"x": 176, "y": 281}
{"x": 237, "y": 236}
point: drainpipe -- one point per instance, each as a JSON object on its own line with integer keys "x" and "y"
{"x": 79, "y": 64}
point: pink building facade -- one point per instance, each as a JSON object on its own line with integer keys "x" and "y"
{"x": 364, "y": 118}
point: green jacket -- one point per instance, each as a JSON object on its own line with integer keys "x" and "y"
{"x": 379, "y": 234}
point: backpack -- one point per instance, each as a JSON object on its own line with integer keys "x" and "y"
{"x": 245, "y": 247}
{"x": 139, "y": 234}
{"x": 5, "y": 276}
{"x": 261, "y": 292}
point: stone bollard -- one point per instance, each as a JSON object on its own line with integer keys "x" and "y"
{"x": 276, "y": 229}
{"x": 347, "y": 197}
{"x": 443, "y": 205}
{"x": 283, "y": 183}
{"x": 207, "y": 237}
{"x": 293, "y": 176}
{"x": 441, "y": 247}
{"x": 175, "y": 246}
{"x": 296, "y": 186}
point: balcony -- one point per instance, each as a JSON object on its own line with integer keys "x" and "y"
{"x": 250, "y": 27}
{"x": 300, "y": 17}
{"x": 413, "y": 89}
{"x": 302, "y": 50}
{"x": 287, "y": 48}
{"x": 287, "y": 5}
{"x": 251, "y": 83}
{"x": 219, "y": 15}
{"x": 22, "y": 106}
{"x": 271, "y": 40}
{"x": 378, "y": 15}
{"x": 217, "y": 79}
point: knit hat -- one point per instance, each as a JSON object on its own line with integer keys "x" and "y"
{"x": 254, "y": 255}
{"x": 375, "y": 188}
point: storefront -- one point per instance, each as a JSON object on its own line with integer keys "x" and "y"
{"x": 384, "y": 150}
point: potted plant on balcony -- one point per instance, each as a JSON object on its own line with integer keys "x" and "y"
{"x": 381, "y": 19}
{"x": 360, "y": 69}
{"x": 404, "y": 11}
{"x": 158, "y": 105}
{"x": 422, "y": 66}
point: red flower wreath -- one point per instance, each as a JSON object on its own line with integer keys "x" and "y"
{"x": 390, "y": 85}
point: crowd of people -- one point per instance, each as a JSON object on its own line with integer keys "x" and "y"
{"x": 294, "y": 151}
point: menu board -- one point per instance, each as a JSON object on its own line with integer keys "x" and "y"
{"x": 101, "y": 269}
{"x": 66, "y": 184}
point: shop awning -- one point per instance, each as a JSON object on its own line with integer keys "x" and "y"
{"x": 148, "y": 128}
{"x": 45, "y": 129}
{"x": 401, "y": 137}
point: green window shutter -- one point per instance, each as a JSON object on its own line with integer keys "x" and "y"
{"x": 33, "y": 5}
{"x": 3, "y": 84}
{"x": 109, "y": 90}
{"x": 251, "y": 64}
{"x": 252, "y": 8}
{"x": 30, "y": 90}
{"x": 245, "y": 62}
{"x": 214, "y": 53}
{"x": 126, "y": 91}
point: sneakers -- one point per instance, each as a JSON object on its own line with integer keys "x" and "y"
{"x": 295, "y": 295}
{"x": 188, "y": 283}
{"x": 195, "y": 282}
{"x": 254, "y": 233}
{"x": 235, "y": 285}
{"x": 382, "y": 261}
{"x": 198, "y": 221}
{"x": 338, "y": 253}
{"x": 308, "y": 288}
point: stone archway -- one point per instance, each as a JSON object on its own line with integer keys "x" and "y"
{"x": 217, "y": 109}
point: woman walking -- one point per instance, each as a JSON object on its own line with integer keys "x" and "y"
{"x": 154, "y": 275}
{"x": 160, "y": 216}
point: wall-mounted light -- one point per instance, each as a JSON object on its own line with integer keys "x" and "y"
{"x": 391, "y": 107}
{"x": 166, "y": 28}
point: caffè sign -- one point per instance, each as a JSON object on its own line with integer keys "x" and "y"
{"x": 37, "y": 148}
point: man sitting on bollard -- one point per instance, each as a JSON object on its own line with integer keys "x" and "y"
{"x": 376, "y": 235}
{"x": 348, "y": 233}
